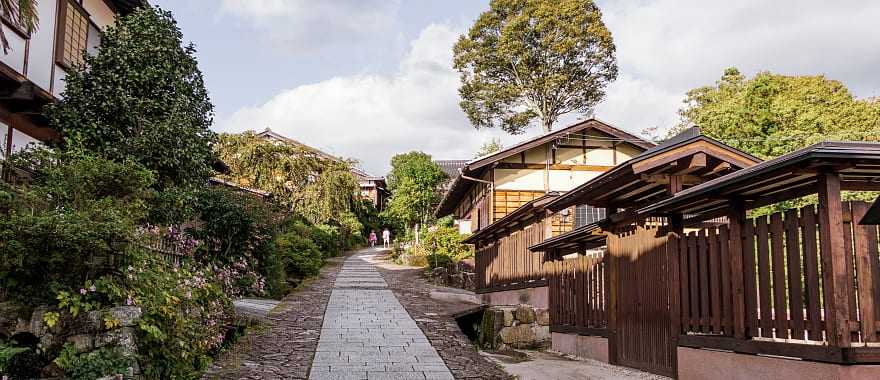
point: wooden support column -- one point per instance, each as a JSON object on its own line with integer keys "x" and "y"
{"x": 676, "y": 229}
{"x": 613, "y": 285}
{"x": 833, "y": 254}
{"x": 737, "y": 218}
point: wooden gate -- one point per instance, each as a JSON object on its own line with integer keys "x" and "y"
{"x": 643, "y": 336}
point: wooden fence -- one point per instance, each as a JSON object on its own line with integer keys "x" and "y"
{"x": 784, "y": 278}
{"x": 578, "y": 295}
{"x": 169, "y": 249}
{"x": 507, "y": 264}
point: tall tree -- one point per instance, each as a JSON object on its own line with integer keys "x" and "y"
{"x": 22, "y": 13}
{"x": 771, "y": 114}
{"x": 489, "y": 147}
{"x": 413, "y": 182}
{"x": 526, "y": 60}
{"x": 141, "y": 96}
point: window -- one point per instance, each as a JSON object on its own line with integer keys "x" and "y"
{"x": 584, "y": 215}
{"x": 13, "y": 20}
{"x": 73, "y": 33}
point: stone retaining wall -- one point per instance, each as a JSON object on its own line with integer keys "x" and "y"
{"x": 521, "y": 326}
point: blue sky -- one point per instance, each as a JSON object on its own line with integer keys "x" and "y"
{"x": 367, "y": 79}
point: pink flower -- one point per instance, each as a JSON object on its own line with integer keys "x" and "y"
{"x": 92, "y": 288}
{"x": 129, "y": 301}
{"x": 82, "y": 291}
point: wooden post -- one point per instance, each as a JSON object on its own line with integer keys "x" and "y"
{"x": 676, "y": 229}
{"x": 614, "y": 292}
{"x": 833, "y": 254}
{"x": 737, "y": 218}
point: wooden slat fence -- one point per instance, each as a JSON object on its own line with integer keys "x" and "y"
{"x": 170, "y": 250}
{"x": 783, "y": 277}
{"x": 577, "y": 290}
{"x": 508, "y": 264}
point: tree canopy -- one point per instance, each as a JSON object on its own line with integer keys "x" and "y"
{"x": 319, "y": 188}
{"x": 772, "y": 114}
{"x": 141, "y": 96}
{"x": 527, "y": 60}
{"x": 489, "y": 147}
{"x": 413, "y": 182}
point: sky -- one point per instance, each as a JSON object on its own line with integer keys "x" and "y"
{"x": 367, "y": 79}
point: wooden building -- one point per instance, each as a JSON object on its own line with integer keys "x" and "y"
{"x": 691, "y": 287}
{"x": 492, "y": 186}
{"x": 32, "y": 71}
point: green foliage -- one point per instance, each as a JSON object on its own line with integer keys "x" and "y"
{"x": 105, "y": 361}
{"x": 185, "y": 314}
{"x": 7, "y": 353}
{"x": 232, "y": 224}
{"x": 771, "y": 114}
{"x": 299, "y": 254}
{"x": 534, "y": 59}
{"x": 80, "y": 211}
{"x": 310, "y": 183}
{"x": 489, "y": 147}
{"x": 413, "y": 182}
{"x": 447, "y": 241}
{"x": 141, "y": 96}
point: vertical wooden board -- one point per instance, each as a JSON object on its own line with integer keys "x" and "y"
{"x": 726, "y": 284}
{"x": 848, "y": 226}
{"x": 764, "y": 297}
{"x": 714, "y": 280}
{"x": 685, "y": 285}
{"x": 695, "y": 282}
{"x": 674, "y": 288}
{"x": 780, "y": 301}
{"x": 703, "y": 259}
{"x": 795, "y": 280}
{"x": 750, "y": 280}
{"x": 867, "y": 297}
{"x": 812, "y": 287}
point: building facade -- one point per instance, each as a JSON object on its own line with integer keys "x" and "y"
{"x": 32, "y": 71}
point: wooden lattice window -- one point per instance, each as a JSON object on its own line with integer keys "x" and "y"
{"x": 73, "y": 33}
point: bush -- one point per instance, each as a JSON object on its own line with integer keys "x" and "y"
{"x": 438, "y": 261}
{"x": 300, "y": 256}
{"x": 105, "y": 361}
{"x": 447, "y": 241}
{"x": 71, "y": 223}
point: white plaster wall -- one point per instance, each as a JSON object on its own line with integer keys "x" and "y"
{"x": 21, "y": 140}
{"x": 14, "y": 58}
{"x": 100, "y": 13}
{"x": 533, "y": 179}
{"x": 40, "y": 58}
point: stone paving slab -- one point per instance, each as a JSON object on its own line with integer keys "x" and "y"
{"x": 367, "y": 334}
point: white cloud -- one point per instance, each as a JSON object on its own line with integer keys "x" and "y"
{"x": 666, "y": 47}
{"x": 372, "y": 117}
{"x": 308, "y": 25}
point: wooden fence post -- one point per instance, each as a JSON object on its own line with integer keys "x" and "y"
{"x": 833, "y": 253}
{"x": 737, "y": 217}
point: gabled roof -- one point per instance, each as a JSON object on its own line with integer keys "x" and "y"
{"x": 272, "y": 135}
{"x": 475, "y": 168}
{"x": 451, "y": 167}
{"x": 237, "y": 187}
{"x": 690, "y": 153}
{"x": 548, "y": 137}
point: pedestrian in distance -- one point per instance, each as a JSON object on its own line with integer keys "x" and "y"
{"x": 372, "y": 239}
{"x": 386, "y": 238}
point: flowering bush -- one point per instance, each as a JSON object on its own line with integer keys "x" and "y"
{"x": 240, "y": 279}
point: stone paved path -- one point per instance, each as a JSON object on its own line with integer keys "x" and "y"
{"x": 367, "y": 334}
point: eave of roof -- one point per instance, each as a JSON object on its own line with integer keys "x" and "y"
{"x": 125, "y": 7}
{"x": 570, "y": 198}
{"x": 851, "y": 152}
{"x": 583, "y": 234}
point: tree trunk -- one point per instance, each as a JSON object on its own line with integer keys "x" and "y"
{"x": 547, "y": 123}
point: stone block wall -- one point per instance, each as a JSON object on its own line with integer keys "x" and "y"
{"x": 521, "y": 326}
{"x": 86, "y": 333}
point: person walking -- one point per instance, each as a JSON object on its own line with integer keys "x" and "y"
{"x": 372, "y": 239}
{"x": 386, "y": 238}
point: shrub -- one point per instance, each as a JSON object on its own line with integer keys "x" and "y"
{"x": 447, "y": 241}
{"x": 299, "y": 255}
{"x": 105, "y": 361}
{"x": 71, "y": 223}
